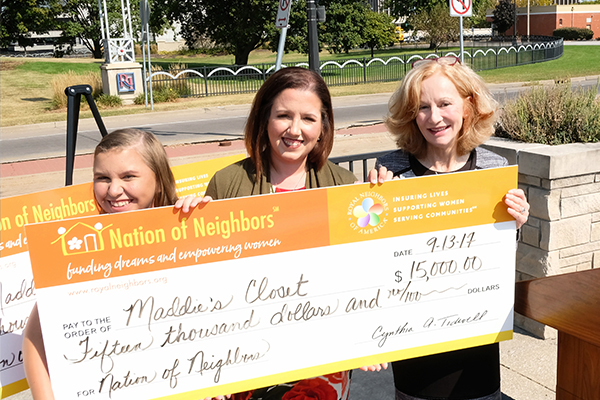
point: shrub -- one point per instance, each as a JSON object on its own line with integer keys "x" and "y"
{"x": 140, "y": 99}
{"x": 62, "y": 81}
{"x": 166, "y": 83}
{"x": 555, "y": 115}
{"x": 160, "y": 95}
{"x": 573, "y": 33}
{"x": 108, "y": 101}
{"x": 137, "y": 48}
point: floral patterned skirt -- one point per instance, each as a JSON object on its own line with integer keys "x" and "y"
{"x": 327, "y": 387}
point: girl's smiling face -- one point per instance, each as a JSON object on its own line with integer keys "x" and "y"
{"x": 441, "y": 112}
{"x": 123, "y": 181}
{"x": 294, "y": 126}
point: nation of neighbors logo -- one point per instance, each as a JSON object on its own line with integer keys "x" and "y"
{"x": 81, "y": 238}
{"x": 367, "y": 212}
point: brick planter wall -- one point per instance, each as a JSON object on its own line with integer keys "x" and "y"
{"x": 562, "y": 235}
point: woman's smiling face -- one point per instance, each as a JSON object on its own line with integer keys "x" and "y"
{"x": 123, "y": 181}
{"x": 441, "y": 112}
{"x": 294, "y": 126}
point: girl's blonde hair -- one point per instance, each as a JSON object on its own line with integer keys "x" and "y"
{"x": 154, "y": 156}
{"x": 479, "y": 113}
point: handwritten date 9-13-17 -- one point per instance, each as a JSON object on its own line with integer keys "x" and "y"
{"x": 451, "y": 242}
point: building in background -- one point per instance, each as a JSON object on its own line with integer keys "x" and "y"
{"x": 543, "y": 20}
{"x": 51, "y": 43}
{"x": 170, "y": 39}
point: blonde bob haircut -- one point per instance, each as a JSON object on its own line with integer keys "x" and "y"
{"x": 479, "y": 114}
{"x": 153, "y": 154}
{"x": 256, "y": 134}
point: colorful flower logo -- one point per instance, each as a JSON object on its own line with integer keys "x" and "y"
{"x": 368, "y": 213}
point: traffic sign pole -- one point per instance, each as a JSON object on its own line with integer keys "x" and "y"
{"x": 462, "y": 58}
{"x": 280, "y": 48}
{"x": 282, "y": 22}
{"x": 313, "y": 38}
{"x": 461, "y": 8}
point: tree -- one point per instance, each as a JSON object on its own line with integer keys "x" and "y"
{"x": 437, "y": 25}
{"x": 405, "y": 8}
{"x": 84, "y": 22}
{"x": 504, "y": 15}
{"x": 378, "y": 30}
{"x": 343, "y": 28}
{"x": 240, "y": 26}
{"x": 479, "y": 18}
{"x": 297, "y": 32}
{"x": 20, "y": 18}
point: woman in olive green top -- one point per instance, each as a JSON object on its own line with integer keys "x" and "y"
{"x": 289, "y": 135}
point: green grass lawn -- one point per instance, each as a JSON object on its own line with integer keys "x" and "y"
{"x": 53, "y": 67}
{"x": 576, "y": 61}
{"x": 25, "y": 90}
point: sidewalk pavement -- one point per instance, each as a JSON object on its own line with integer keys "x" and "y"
{"x": 528, "y": 364}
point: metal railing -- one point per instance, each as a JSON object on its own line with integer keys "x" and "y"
{"x": 360, "y": 164}
{"x": 214, "y": 81}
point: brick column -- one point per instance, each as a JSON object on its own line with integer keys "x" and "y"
{"x": 562, "y": 235}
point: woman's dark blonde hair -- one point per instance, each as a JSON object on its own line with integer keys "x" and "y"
{"x": 153, "y": 154}
{"x": 255, "y": 133}
{"x": 479, "y": 113}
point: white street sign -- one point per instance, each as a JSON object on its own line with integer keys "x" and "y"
{"x": 461, "y": 8}
{"x": 283, "y": 14}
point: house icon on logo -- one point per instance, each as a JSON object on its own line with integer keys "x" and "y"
{"x": 81, "y": 238}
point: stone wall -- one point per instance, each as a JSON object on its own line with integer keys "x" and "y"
{"x": 562, "y": 235}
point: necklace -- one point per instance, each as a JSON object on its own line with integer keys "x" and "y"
{"x": 297, "y": 185}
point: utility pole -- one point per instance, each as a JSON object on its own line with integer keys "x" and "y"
{"x": 313, "y": 39}
{"x": 515, "y": 23}
{"x": 528, "y": 32}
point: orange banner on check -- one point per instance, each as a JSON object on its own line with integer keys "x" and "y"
{"x": 98, "y": 247}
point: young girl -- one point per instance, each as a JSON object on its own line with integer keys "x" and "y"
{"x": 131, "y": 172}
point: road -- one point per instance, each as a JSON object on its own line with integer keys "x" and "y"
{"x": 47, "y": 140}
{"x": 221, "y": 123}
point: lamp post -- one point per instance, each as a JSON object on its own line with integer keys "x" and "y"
{"x": 313, "y": 40}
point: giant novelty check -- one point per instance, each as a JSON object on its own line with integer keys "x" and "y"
{"x": 249, "y": 292}
{"x": 17, "y": 289}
